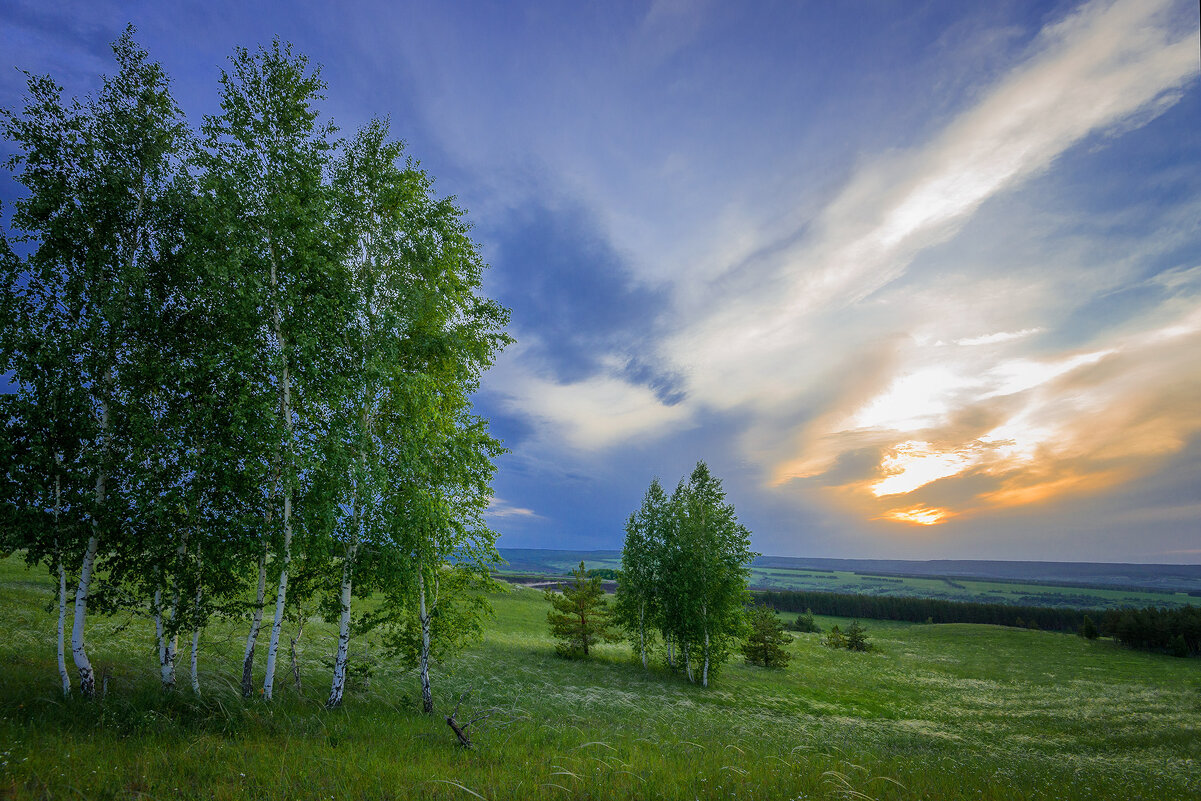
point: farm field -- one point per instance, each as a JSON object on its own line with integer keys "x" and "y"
{"x": 948, "y": 588}
{"x": 936, "y": 712}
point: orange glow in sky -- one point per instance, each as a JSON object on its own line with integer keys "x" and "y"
{"x": 918, "y": 515}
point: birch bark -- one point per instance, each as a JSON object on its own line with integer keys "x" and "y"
{"x": 286, "y": 414}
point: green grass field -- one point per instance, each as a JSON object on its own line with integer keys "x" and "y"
{"x": 936, "y": 712}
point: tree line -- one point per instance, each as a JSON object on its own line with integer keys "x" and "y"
{"x": 685, "y": 565}
{"x": 1153, "y": 628}
{"x": 921, "y": 610}
{"x": 1172, "y": 630}
{"x": 243, "y": 357}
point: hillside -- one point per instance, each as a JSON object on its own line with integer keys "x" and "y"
{"x": 936, "y": 712}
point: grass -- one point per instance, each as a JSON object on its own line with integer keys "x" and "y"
{"x": 936, "y": 712}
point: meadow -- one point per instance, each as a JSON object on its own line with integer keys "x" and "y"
{"x": 934, "y": 712}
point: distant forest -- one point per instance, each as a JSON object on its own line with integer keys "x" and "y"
{"x": 1176, "y": 631}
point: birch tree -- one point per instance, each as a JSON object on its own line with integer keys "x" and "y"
{"x": 712, "y": 571}
{"x": 638, "y": 597}
{"x": 265, "y": 167}
{"x": 97, "y": 172}
{"x": 441, "y": 462}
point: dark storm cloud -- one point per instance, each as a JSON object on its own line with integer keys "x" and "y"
{"x": 576, "y": 304}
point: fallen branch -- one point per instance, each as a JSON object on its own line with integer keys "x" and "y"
{"x": 461, "y": 729}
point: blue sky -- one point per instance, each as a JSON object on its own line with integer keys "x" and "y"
{"x": 918, "y": 280}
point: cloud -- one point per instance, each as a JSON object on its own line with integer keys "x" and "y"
{"x": 589, "y": 414}
{"x": 575, "y": 302}
{"x": 1106, "y": 65}
{"x": 500, "y": 509}
{"x": 978, "y": 407}
{"x": 1077, "y": 424}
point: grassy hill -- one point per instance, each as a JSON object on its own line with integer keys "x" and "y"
{"x": 936, "y": 712}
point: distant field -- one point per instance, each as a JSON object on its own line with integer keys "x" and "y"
{"x": 938, "y": 713}
{"x": 1009, "y": 591}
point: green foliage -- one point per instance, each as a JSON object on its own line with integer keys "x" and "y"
{"x": 579, "y": 617}
{"x": 805, "y": 623}
{"x": 703, "y": 568}
{"x": 1178, "y": 646}
{"x": 640, "y": 606}
{"x": 606, "y": 573}
{"x": 856, "y": 637}
{"x": 259, "y": 347}
{"x": 920, "y": 610}
{"x": 835, "y": 639}
{"x": 1088, "y": 629}
{"x": 766, "y": 640}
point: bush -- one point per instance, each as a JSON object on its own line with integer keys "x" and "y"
{"x": 806, "y": 623}
{"x": 834, "y": 639}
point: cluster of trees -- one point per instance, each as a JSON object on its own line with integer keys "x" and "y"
{"x": 853, "y": 639}
{"x": 1175, "y": 631}
{"x": 921, "y": 610}
{"x": 684, "y": 572}
{"x": 243, "y": 359}
{"x": 1170, "y": 630}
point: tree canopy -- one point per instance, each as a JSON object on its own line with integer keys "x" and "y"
{"x": 244, "y": 358}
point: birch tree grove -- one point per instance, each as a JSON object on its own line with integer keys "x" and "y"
{"x": 244, "y": 363}
{"x": 685, "y": 565}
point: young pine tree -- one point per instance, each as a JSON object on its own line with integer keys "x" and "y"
{"x": 765, "y": 643}
{"x": 806, "y": 623}
{"x": 856, "y": 637}
{"x": 580, "y": 615}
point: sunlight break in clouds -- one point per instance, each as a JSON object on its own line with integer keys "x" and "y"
{"x": 951, "y": 404}
{"x": 1104, "y": 66}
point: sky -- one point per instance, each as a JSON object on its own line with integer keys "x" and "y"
{"x": 916, "y": 279}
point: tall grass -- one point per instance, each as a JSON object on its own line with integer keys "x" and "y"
{"x": 936, "y": 712}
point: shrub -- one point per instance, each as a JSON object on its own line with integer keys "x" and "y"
{"x": 806, "y": 623}
{"x": 834, "y": 639}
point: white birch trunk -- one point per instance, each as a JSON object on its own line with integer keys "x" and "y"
{"x": 62, "y": 586}
{"x": 87, "y": 677}
{"x": 286, "y": 413}
{"x": 427, "y": 697}
{"x": 169, "y": 649}
{"x": 62, "y": 620}
{"x": 160, "y": 642}
{"x": 705, "y": 669}
{"x": 280, "y": 597}
{"x": 687, "y": 663}
{"x": 256, "y": 623}
{"x": 195, "y": 653}
{"x": 642, "y": 633}
{"x": 338, "y": 685}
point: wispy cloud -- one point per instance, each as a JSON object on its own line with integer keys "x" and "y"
{"x": 500, "y": 509}
{"x": 929, "y": 397}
